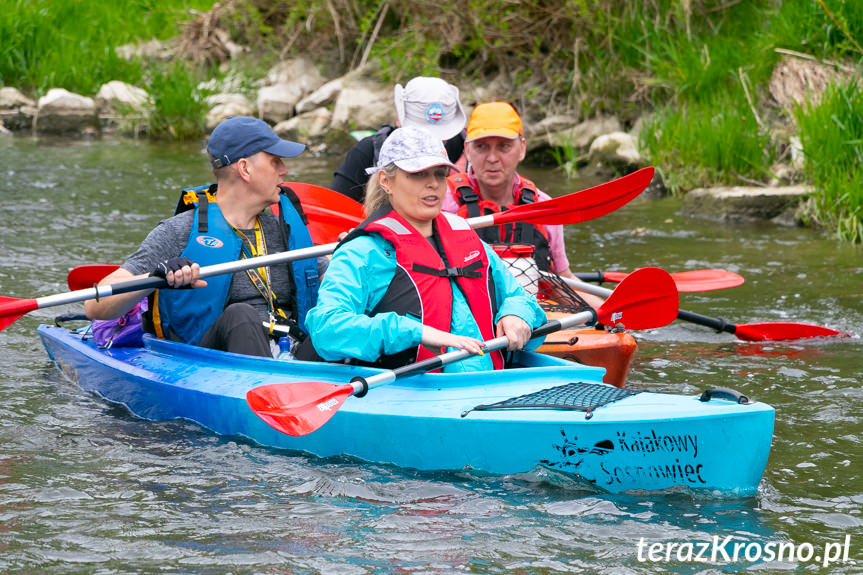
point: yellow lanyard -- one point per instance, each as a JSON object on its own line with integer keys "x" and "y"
{"x": 260, "y": 277}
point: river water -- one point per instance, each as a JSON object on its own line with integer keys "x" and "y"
{"x": 85, "y": 487}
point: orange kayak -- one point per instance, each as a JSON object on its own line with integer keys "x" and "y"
{"x": 597, "y": 347}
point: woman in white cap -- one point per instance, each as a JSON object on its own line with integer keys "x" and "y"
{"x": 411, "y": 280}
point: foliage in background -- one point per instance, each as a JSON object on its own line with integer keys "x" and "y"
{"x": 715, "y": 141}
{"x": 697, "y": 70}
{"x": 832, "y": 137}
{"x": 179, "y": 108}
{"x": 71, "y": 43}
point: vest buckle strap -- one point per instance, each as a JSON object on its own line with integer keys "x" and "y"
{"x": 468, "y": 195}
{"x": 528, "y": 196}
{"x": 470, "y": 271}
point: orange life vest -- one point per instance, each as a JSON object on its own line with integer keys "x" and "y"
{"x": 515, "y": 234}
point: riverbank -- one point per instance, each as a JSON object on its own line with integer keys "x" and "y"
{"x": 724, "y": 94}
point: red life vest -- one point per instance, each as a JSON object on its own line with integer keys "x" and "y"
{"x": 421, "y": 286}
{"x": 472, "y": 204}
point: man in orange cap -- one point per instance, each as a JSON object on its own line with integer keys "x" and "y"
{"x": 494, "y": 147}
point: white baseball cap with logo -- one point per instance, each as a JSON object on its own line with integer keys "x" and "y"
{"x": 412, "y": 150}
{"x": 431, "y": 104}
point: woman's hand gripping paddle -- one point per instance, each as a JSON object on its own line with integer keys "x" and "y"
{"x": 646, "y": 298}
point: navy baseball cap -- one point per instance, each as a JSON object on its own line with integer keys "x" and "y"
{"x": 243, "y": 136}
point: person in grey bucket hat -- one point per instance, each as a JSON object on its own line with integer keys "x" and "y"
{"x": 214, "y": 224}
{"x": 414, "y": 280}
{"x": 425, "y": 102}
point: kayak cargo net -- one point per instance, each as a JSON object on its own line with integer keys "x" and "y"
{"x": 578, "y": 396}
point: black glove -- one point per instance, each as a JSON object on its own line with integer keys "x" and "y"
{"x": 171, "y": 265}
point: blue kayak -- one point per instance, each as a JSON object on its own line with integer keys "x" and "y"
{"x": 542, "y": 412}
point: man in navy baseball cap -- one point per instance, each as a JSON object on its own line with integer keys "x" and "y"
{"x": 244, "y": 311}
{"x": 242, "y": 137}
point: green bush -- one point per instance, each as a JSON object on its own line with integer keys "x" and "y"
{"x": 71, "y": 43}
{"x": 716, "y": 141}
{"x": 179, "y": 109}
{"x": 832, "y": 136}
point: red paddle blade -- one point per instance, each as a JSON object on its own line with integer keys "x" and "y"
{"x": 645, "y": 299}
{"x": 583, "y": 205}
{"x": 778, "y": 331}
{"x": 325, "y": 225}
{"x": 694, "y": 280}
{"x": 312, "y": 195}
{"x": 11, "y": 308}
{"x": 297, "y": 408}
{"x": 83, "y": 277}
{"x": 329, "y": 212}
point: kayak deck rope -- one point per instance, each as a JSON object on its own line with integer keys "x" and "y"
{"x": 557, "y": 296}
{"x": 579, "y": 396}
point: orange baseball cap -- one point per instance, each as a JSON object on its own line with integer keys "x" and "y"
{"x": 494, "y": 119}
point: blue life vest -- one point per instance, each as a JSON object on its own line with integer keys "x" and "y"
{"x": 186, "y": 314}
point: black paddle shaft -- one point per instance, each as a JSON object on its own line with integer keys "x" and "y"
{"x": 587, "y": 317}
{"x": 717, "y": 323}
{"x": 592, "y": 277}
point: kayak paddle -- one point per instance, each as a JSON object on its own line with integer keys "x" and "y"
{"x": 645, "y": 299}
{"x": 572, "y": 208}
{"x": 575, "y": 207}
{"x": 770, "y": 331}
{"x": 13, "y": 308}
{"x": 690, "y": 281}
{"x": 88, "y": 275}
{"x": 329, "y": 213}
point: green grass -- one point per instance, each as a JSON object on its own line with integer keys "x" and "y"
{"x": 706, "y": 134}
{"x": 70, "y": 43}
{"x": 716, "y": 141}
{"x": 832, "y": 137}
{"x": 179, "y": 110}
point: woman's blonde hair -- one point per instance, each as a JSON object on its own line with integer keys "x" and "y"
{"x": 375, "y": 194}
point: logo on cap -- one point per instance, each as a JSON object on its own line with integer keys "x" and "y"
{"x": 434, "y": 113}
